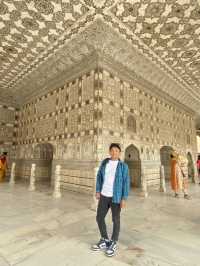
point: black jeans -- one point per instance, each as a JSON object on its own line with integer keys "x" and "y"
{"x": 105, "y": 203}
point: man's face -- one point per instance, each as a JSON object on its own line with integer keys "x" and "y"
{"x": 115, "y": 153}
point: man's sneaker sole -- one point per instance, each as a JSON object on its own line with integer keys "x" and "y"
{"x": 111, "y": 254}
{"x": 98, "y": 249}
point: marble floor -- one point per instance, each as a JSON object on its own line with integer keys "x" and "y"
{"x": 37, "y": 230}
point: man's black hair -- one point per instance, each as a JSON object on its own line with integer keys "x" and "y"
{"x": 115, "y": 145}
{"x": 5, "y": 153}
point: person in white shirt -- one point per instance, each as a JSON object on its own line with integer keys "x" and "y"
{"x": 112, "y": 188}
{"x": 110, "y": 171}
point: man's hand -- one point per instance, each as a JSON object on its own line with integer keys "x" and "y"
{"x": 98, "y": 195}
{"x": 123, "y": 204}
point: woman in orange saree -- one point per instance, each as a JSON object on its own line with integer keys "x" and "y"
{"x": 179, "y": 176}
{"x": 174, "y": 174}
{"x": 3, "y": 166}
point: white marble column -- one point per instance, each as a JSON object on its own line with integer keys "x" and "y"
{"x": 32, "y": 177}
{"x": 12, "y": 175}
{"x": 144, "y": 192}
{"x": 57, "y": 191}
{"x": 94, "y": 200}
{"x": 162, "y": 179}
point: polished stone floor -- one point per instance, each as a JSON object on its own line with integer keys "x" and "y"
{"x": 37, "y": 230}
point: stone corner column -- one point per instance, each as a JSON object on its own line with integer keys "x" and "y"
{"x": 162, "y": 179}
{"x": 196, "y": 178}
{"x": 94, "y": 204}
{"x": 144, "y": 192}
{"x": 32, "y": 178}
{"x": 57, "y": 191}
{"x": 12, "y": 175}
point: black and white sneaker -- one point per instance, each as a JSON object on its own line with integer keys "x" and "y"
{"x": 111, "y": 249}
{"x": 103, "y": 244}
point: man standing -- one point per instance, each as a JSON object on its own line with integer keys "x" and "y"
{"x": 112, "y": 189}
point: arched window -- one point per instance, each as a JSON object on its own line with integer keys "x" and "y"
{"x": 132, "y": 158}
{"x": 43, "y": 151}
{"x": 131, "y": 123}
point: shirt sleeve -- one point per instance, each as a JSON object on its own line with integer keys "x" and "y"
{"x": 126, "y": 182}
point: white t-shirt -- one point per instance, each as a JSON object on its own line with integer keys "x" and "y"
{"x": 109, "y": 178}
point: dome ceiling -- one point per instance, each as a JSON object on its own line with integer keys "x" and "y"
{"x": 42, "y": 38}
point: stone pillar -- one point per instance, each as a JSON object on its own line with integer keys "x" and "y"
{"x": 12, "y": 175}
{"x": 32, "y": 177}
{"x": 162, "y": 179}
{"x": 94, "y": 200}
{"x": 196, "y": 174}
{"x": 144, "y": 192}
{"x": 57, "y": 193}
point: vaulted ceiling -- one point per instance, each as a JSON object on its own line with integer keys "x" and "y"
{"x": 158, "y": 40}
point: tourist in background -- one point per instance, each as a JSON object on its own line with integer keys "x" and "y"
{"x": 3, "y": 166}
{"x": 179, "y": 175}
{"x": 198, "y": 167}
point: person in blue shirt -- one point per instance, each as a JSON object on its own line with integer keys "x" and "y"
{"x": 112, "y": 189}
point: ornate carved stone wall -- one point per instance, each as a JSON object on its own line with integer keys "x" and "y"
{"x": 7, "y": 130}
{"x": 81, "y": 118}
{"x": 63, "y": 118}
{"x": 131, "y": 116}
{"x": 7, "y": 123}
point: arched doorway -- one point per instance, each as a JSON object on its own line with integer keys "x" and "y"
{"x": 43, "y": 156}
{"x": 132, "y": 158}
{"x": 165, "y": 158}
{"x": 191, "y": 171}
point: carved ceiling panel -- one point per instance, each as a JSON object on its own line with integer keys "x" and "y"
{"x": 171, "y": 29}
{"x": 158, "y": 40}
